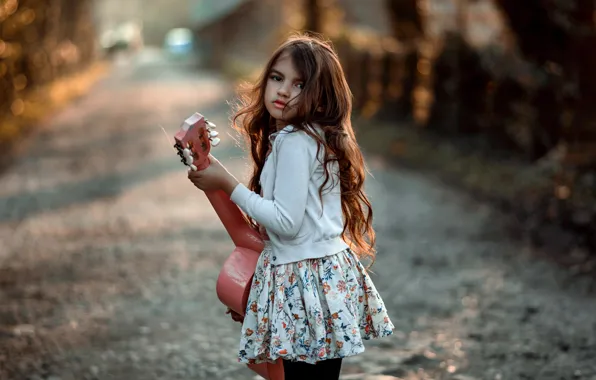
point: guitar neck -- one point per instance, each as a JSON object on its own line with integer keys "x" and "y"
{"x": 242, "y": 234}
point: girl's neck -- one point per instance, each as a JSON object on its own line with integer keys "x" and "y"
{"x": 280, "y": 124}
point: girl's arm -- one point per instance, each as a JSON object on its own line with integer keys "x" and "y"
{"x": 296, "y": 154}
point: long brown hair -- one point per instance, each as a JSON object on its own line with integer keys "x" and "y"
{"x": 326, "y": 101}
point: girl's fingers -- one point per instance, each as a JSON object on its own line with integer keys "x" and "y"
{"x": 213, "y": 159}
{"x": 193, "y": 174}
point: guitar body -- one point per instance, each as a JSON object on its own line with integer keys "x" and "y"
{"x": 234, "y": 282}
{"x": 235, "y": 278}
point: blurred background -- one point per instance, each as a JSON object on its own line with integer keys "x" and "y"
{"x": 477, "y": 119}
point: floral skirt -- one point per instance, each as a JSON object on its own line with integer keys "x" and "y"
{"x": 311, "y": 310}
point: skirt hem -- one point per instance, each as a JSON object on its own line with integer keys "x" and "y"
{"x": 309, "y": 359}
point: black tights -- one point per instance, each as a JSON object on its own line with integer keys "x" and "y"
{"x": 323, "y": 370}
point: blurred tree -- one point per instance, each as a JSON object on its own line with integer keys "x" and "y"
{"x": 322, "y": 16}
{"x": 459, "y": 88}
{"x": 39, "y": 42}
{"x": 313, "y": 15}
{"x": 406, "y": 19}
{"x": 582, "y": 132}
{"x": 407, "y": 25}
{"x": 542, "y": 27}
{"x": 558, "y": 36}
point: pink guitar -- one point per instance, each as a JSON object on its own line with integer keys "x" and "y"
{"x": 193, "y": 143}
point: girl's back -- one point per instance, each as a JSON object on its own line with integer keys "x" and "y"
{"x": 301, "y": 221}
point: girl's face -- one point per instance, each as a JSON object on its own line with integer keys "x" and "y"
{"x": 282, "y": 90}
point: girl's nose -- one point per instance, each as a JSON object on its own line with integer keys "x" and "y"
{"x": 283, "y": 90}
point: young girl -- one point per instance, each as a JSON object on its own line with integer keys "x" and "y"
{"x": 312, "y": 302}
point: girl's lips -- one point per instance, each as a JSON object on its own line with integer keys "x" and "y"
{"x": 279, "y": 104}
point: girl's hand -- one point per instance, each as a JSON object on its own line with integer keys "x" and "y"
{"x": 235, "y": 316}
{"x": 214, "y": 177}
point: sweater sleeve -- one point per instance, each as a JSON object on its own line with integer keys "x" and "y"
{"x": 283, "y": 215}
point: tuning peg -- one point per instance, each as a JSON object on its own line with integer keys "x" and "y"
{"x": 187, "y": 156}
{"x": 193, "y": 168}
{"x": 213, "y": 134}
{"x": 210, "y": 124}
{"x": 215, "y": 141}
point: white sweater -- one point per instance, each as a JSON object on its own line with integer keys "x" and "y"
{"x": 298, "y": 225}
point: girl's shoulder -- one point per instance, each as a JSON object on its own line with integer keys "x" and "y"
{"x": 292, "y": 137}
{"x": 299, "y": 133}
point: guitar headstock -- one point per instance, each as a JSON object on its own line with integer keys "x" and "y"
{"x": 194, "y": 141}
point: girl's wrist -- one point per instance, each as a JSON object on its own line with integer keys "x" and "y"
{"x": 229, "y": 185}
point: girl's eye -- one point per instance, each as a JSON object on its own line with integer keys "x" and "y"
{"x": 276, "y": 78}
{"x": 300, "y": 85}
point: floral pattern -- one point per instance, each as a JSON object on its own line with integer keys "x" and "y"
{"x": 311, "y": 310}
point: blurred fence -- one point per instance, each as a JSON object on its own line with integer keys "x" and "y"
{"x": 381, "y": 73}
{"x": 41, "y": 41}
{"x": 515, "y": 103}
